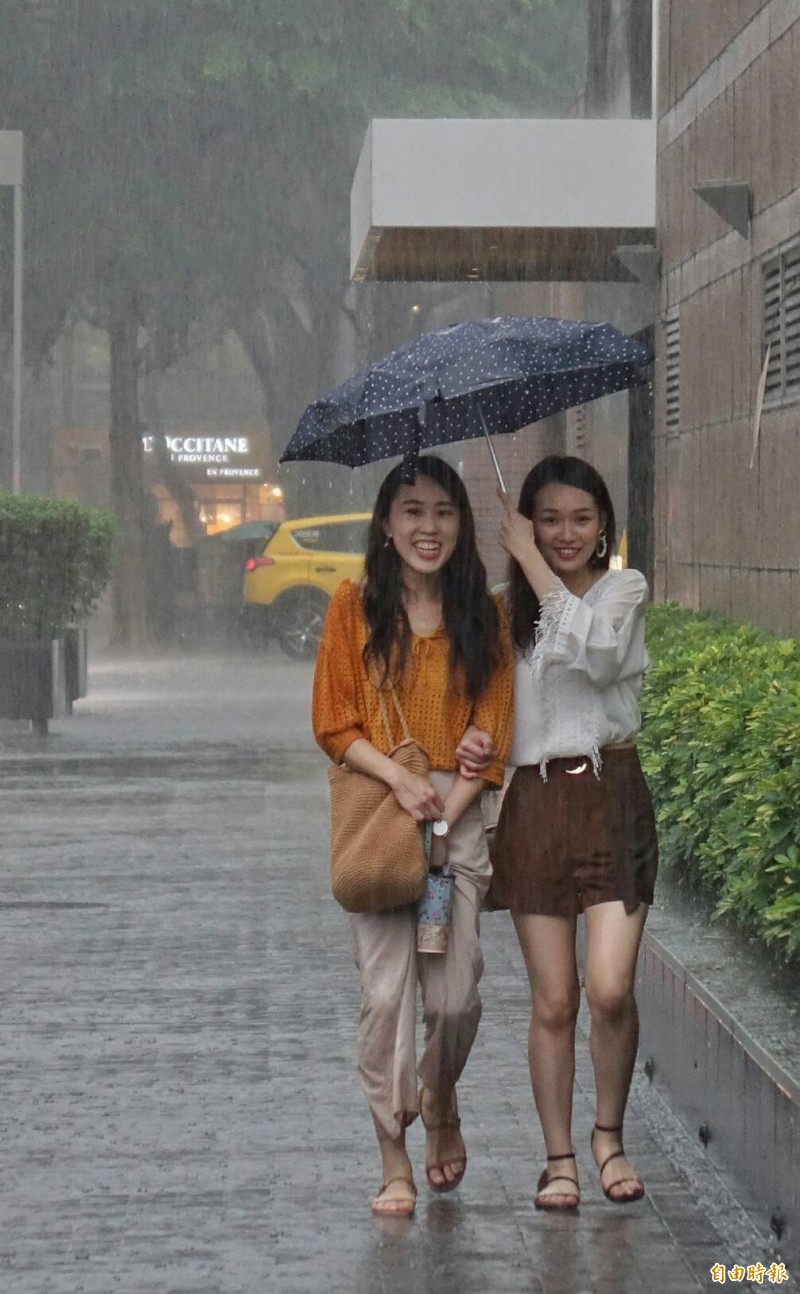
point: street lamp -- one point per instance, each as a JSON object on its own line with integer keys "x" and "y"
{"x": 11, "y": 174}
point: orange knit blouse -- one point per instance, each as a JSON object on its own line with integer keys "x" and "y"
{"x": 345, "y": 703}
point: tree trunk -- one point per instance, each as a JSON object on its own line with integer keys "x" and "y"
{"x": 130, "y": 596}
{"x": 304, "y": 357}
{"x": 182, "y": 493}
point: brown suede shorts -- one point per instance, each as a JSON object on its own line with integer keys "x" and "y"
{"x": 574, "y": 840}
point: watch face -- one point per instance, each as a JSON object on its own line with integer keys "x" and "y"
{"x": 440, "y": 827}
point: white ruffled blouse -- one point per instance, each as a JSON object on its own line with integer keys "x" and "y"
{"x": 577, "y": 689}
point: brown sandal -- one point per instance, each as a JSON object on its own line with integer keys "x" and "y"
{"x": 632, "y": 1177}
{"x": 451, "y": 1120}
{"x": 546, "y": 1180}
{"x": 407, "y": 1203}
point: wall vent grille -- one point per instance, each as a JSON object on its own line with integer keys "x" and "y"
{"x": 781, "y": 332}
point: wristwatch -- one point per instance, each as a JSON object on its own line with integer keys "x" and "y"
{"x": 441, "y": 827}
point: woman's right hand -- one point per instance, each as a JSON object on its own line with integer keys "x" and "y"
{"x": 516, "y": 531}
{"x": 517, "y": 537}
{"x": 416, "y": 795}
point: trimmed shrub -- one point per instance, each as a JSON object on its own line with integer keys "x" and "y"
{"x": 55, "y": 561}
{"x": 720, "y": 745}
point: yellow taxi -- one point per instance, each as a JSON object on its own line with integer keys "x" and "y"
{"x": 287, "y": 588}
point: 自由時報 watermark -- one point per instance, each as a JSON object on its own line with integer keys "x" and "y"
{"x": 775, "y": 1274}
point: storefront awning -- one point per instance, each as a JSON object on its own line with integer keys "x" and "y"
{"x": 540, "y": 200}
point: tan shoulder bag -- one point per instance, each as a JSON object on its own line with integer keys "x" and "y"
{"x": 377, "y": 849}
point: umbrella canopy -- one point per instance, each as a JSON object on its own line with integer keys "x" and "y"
{"x": 494, "y": 375}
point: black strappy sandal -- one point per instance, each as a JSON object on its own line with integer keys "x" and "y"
{"x": 617, "y": 1154}
{"x": 457, "y": 1162}
{"x": 546, "y": 1180}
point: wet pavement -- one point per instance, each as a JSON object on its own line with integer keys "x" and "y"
{"x": 180, "y": 1108}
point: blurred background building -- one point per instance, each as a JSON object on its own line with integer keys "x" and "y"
{"x": 204, "y": 436}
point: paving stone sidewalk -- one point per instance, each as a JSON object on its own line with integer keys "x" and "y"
{"x": 180, "y": 1109}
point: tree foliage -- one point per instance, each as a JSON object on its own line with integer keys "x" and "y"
{"x": 193, "y": 158}
{"x": 201, "y": 143}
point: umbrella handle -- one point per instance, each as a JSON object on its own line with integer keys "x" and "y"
{"x": 499, "y": 474}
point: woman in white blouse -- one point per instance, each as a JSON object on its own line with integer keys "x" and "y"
{"x": 576, "y": 831}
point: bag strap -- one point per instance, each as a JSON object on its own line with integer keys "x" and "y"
{"x": 385, "y": 714}
{"x": 385, "y": 717}
{"x": 399, "y": 709}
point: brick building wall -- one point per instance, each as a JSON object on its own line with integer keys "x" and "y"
{"x": 727, "y": 524}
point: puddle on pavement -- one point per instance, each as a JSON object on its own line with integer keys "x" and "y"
{"x": 226, "y": 762}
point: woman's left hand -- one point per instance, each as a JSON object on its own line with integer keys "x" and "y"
{"x": 474, "y": 752}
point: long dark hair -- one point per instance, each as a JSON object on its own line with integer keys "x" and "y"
{"x": 470, "y": 616}
{"x": 556, "y": 469}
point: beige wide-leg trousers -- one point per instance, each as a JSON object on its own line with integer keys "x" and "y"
{"x": 384, "y": 950}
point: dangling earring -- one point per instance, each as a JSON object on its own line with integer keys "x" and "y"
{"x": 602, "y": 547}
{"x": 386, "y": 542}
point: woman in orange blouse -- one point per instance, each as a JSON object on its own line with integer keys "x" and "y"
{"x": 423, "y": 620}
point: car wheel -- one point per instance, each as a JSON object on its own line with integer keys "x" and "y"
{"x": 301, "y": 616}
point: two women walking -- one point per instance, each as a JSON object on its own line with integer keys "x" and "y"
{"x": 576, "y": 829}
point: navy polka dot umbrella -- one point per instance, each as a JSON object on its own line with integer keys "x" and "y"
{"x": 482, "y": 378}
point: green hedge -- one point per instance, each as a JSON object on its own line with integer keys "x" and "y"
{"x": 720, "y": 745}
{"x": 55, "y": 561}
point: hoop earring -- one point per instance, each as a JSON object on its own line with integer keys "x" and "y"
{"x": 602, "y": 547}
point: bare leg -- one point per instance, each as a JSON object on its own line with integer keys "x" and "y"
{"x": 612, "y": 946}
{"x": 548, "y": 946}
{"x": 445, "y": 1153}
{"x": 397, "y": 1197}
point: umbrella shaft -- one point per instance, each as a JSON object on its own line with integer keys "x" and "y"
{"x": 499, "y": 474}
